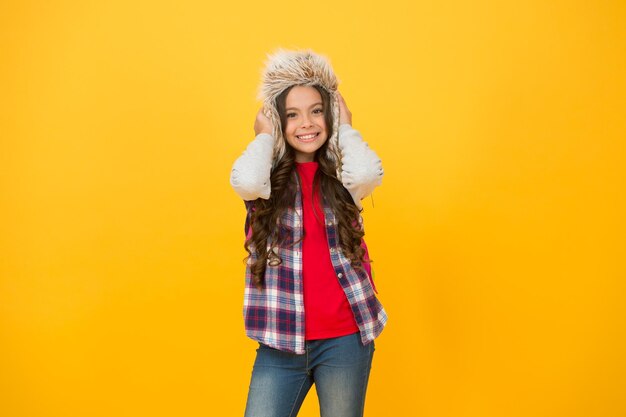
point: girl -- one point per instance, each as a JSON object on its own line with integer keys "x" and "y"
{"x": 309, "y": 298}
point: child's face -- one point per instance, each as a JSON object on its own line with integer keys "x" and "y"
{"x": 305, "y": 130}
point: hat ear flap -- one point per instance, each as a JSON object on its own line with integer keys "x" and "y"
{"x": 279, "y": 141}
{"x": 333, "y": 150}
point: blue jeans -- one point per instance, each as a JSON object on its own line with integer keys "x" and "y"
{"x": 339, "y": 367}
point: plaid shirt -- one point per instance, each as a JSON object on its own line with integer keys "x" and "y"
{"x": 274, "y": 316}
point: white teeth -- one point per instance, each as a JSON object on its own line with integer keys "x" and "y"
{"x": 308, "y": 136}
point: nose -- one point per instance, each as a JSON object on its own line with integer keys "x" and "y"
{"x": 306, "y": 121}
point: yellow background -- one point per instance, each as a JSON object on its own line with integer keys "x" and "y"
{"x": 498, "y": 233}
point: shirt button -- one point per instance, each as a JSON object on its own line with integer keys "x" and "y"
{"x": 340, "y": 275}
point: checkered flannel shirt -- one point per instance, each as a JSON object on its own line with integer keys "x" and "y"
{"x": 274, "y": 315}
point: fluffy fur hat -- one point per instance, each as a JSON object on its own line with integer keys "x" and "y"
{"x": 285, "y": 68}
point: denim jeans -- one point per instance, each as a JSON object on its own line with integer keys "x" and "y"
{"x": 339, "y": 367}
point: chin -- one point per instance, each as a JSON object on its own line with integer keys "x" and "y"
{"x": 309, "y": 149}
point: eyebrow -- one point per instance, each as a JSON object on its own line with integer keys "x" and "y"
{"x": 312, "y": 105}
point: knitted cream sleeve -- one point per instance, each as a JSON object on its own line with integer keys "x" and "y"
{"x": 362, "y": 169}
{"x": 250, "y": 176}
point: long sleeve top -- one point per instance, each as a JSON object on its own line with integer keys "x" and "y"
{"x": 361, "y": 167}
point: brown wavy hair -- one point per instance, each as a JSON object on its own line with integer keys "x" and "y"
{"x": 266, "y": 217}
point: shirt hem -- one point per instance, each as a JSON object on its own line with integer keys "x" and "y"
{"x": 330, "y": 335}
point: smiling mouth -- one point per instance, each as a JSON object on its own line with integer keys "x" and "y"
{"x": 308, "y": 138}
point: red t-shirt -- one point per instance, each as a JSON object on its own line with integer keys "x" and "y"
{"x": 327, "y": 311}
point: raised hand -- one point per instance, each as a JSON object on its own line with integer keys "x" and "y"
{"x": 262, "y": 124}
{"x": 345, "y": 116}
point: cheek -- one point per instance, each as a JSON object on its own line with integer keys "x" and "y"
{"x": 325, "y": 129}
{"x": 290, "y": 135}
{"x": 323, "y": 125}
{"x": 290, "y": 129}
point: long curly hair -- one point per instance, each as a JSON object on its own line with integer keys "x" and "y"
{"x": 266, "y": 217}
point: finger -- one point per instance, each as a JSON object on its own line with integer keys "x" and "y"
{"x": 340, "y": 101}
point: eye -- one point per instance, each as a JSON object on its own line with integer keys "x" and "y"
{"x": 318, "y": 111}
{"x": 290, "y": 115}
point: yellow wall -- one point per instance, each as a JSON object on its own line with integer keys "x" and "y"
{"x": 498, "y": 233}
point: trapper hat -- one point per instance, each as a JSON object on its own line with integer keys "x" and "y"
{"x": 286, "y": 68}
